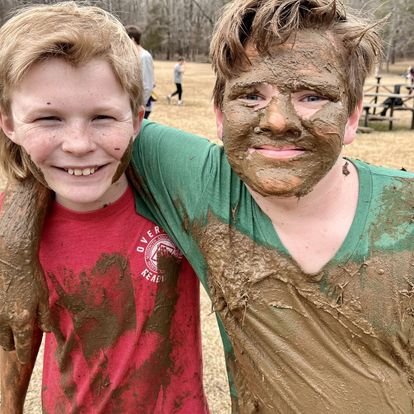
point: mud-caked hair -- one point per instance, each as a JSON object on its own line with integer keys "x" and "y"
{"x": 263, "y": 24}
{"x": 73, "y": 32}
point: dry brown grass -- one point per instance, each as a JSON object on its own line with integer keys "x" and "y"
{"x": 389, "y": 148}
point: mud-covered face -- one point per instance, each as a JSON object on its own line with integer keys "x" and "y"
{"x": 284, "y": 119}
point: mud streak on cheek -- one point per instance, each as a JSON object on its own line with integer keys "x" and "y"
{"x": 33, "y": 168}
{"x": 125, "y": 160}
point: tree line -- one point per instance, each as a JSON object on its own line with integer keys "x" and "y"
{"x": 398, "y": 28}
{"x": 170, "y": 28}
{"x": 183, "y": 27}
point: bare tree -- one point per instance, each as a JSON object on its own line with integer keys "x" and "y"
{"x": 397, "y": 30}
{"x": 184, "y": 27}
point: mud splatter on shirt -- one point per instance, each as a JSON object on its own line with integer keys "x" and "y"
{"x": 125, "y": 308}
{"x": 338, "y": 340}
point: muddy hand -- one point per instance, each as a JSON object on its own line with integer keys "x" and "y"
{"x": 23, "y": 292}
{"x": 24, "y": 302}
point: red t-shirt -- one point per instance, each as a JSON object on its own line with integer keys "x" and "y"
{"x": 125, "y": 308}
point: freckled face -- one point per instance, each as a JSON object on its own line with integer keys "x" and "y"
{"x": 77, "y": 126}
{"x": 284, "y": 119}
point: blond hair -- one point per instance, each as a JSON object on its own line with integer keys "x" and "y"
{"x": 264, "y": 23}
{"x": 70, "y": 31}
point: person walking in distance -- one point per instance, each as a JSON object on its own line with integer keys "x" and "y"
{"x": 147, "y": 67}
{"x": 178, "y": 79}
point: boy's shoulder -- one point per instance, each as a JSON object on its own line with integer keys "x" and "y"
{"x": 384, "y": 172}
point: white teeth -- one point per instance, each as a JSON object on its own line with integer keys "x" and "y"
{"x": 78, "y": 171}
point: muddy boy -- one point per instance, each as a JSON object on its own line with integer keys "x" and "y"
{"x": 307, "y": 256}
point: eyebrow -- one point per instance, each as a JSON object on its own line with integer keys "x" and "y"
{"x": 293, "y": 85}
{"x": 242, "y": 86}
{"x": 318, "y": 86}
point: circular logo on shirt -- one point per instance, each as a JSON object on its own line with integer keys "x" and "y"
{"x": 160, "y": 244}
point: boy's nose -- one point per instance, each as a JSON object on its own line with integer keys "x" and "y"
{"x": 78, "y": 141}
{"x": 279, "y": 116}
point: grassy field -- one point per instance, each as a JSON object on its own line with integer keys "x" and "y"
{"x": 389, "y": 148}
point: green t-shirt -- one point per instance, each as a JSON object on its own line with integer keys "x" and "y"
{"x": 336, "y": 341}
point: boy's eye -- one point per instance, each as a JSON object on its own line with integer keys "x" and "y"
{"x": 102, "y": 117}
{"x": 48, "y": 118}
{"x": 309, "y": 96}
{"x": 251, "y": 99}
{"x": 314, "y": 98}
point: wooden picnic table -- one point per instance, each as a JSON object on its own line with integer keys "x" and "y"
{"x": 405, "y": 103}
{"x": 388, "y": 95}
{"x": 376, "y": 88}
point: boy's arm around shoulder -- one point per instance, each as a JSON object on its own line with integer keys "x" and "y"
{"x": 172, "y": 160}
{"x": 23, "y": 291}
{"x": 15, "y": 377}
{"x": 171, "y": 170}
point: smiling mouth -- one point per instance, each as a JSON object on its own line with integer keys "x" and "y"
{"x": 81, "y": 171}
{"x": 278, "y": 152}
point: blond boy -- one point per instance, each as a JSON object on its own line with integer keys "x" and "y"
{"x": 124, "y": 304}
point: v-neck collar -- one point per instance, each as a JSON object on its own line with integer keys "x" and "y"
{"x": 355, "y": 232}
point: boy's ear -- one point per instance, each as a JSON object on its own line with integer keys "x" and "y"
{"x": 137, "y": 121}
{"x": 7, "y": 125}
{"x": 352, "y": 124}
{"x": 219, "y": 122}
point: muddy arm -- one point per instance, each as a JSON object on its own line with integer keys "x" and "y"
{"x": 15, "y": 377}
{"x": 23, "y": 292}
